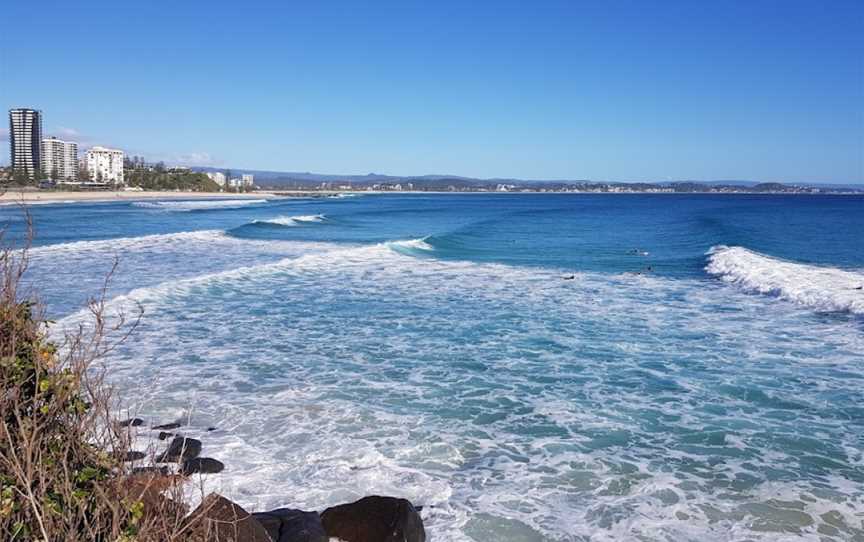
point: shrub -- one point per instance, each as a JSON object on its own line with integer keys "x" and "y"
{"x": 62, "y": 475}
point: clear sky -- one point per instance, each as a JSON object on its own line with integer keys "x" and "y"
{"x": 665, "y": 90}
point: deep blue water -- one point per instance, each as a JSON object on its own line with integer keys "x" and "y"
{"x": 528, "y": 367}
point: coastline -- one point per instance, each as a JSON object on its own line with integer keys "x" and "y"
{"x": 32, "y": 196}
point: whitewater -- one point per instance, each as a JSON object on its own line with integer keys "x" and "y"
{"x": 555, "y": 368}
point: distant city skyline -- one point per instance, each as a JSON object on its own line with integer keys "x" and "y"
{"x": 762, "y": 91}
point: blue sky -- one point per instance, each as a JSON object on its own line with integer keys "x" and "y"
{"x": 764, "y": 90}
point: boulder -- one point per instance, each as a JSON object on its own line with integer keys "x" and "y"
{"x": 131, "y": 455}
{"x": 164, "y": 435}
{"x": 180, "y": 449}
{"x": 205, "y": 465}
{"x": 219, "y": 520}
{"x": 148, "y": 488}
{"x": 166, "y": 426}
{"x": 133, "y": 422}
{"x": 287, "y": 525}
{"x": 374, "y": 519}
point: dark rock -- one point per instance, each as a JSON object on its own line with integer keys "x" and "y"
{"x": 134, "y": 422}
{"x": 206, "y": 465}
{"x": 180, "y": 449}
{"x": 220, "y": 520}
{"x": 163, "y": 435}
{"x": 211, "y": 429}
{"x": 132, "y": 456}
{"x": 287, "y": 525}
{"x": 173, "y": 425}
{"x": 374, "y": 519}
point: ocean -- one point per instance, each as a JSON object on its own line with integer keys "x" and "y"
{"x": 527, "y": 367}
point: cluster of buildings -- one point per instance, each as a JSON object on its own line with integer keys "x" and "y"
{"x": 33, "y": 155}
{"x": 244, "y": 181}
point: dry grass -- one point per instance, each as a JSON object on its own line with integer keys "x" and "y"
{"x": 62, "y": 475}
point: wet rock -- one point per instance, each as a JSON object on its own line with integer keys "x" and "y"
{"x": 166, "y": 426}
{"x": 287, "y": 525}
{"x": 164, "y": 435}
{"x": 219, "y": 520}
{"x": 180, "y": 449}
{"x": 131, "y": 422}
{"x": 374, "y": 519}
{"x": 204, "y": 465}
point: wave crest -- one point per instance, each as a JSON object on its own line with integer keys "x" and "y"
{"x": 292, "y": 220}
{"x": 198, "y": 205}
{"x": 821, "y": 288}
{"x": 411, "y": 245}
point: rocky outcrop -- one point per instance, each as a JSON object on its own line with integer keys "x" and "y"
{"x": 204, "y": 465}
{"x": 219, "y": 520}
{"x": 374, "y": 519}
{"x": 180, "y": 449}
{"x": 288, "y": 525}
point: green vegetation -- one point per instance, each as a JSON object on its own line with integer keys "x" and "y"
{"x": 167, "y": 179}
{"x": 62, "y": 475}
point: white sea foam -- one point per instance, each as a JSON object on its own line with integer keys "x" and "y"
{"x": 512, "y": 404}
{"x": 293, "y": 220}
{"x": 415, "y": 244}
{"x": 144, "y": 242}
{"x": 196, "y": 205}
{"x": 822, "y": 288}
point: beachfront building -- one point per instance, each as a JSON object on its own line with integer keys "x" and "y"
{"x": 248, "y": 180}
{"x": 25, "y": 140}
{"x": 105, "y": 165}
{"x": 217, "y": 177}
{"x": 60, "y": 159}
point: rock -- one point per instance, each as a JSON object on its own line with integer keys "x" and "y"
{"x": 131, "y": 456}
{"x": 163, "y": 435}
{"x": 148, "y": 489}
{"x": 133, "y": 422}
{"x": 220, "y": 520}
{"x": 206, "y": 465}
{"x": 287, "y": 525}
{"x": 211, "y": 429}
{"x": 180, "y": 449}
{"x": 173, "y": 425}
{"x": 374, "y": 519}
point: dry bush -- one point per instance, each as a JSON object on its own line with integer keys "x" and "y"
{"x": 62, "y": 470}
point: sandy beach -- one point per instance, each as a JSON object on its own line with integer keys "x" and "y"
{"x": 36, "y": 196}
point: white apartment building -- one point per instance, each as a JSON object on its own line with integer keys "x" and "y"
{"x": 248, "y": 180}
{"x": 105, "y": 165}
{"x": 217, "y": 177}
{"x": 60, "y": 159}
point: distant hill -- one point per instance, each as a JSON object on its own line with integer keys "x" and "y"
{"x": 308, "y": 180}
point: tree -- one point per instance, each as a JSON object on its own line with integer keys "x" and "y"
{"x": 83, "y": 172}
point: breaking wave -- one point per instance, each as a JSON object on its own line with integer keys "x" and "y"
{"x": 292, "y": 220}
{"x": 198, "y": 205}
{"x": 411, "y": 247}
{"x": 822, "y": 288}
{"x": 128, "y": 243}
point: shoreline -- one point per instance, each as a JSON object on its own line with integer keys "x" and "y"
{"x": 33, "y": 196}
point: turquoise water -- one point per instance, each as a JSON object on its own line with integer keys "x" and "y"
{"x": 527, "y": 367}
